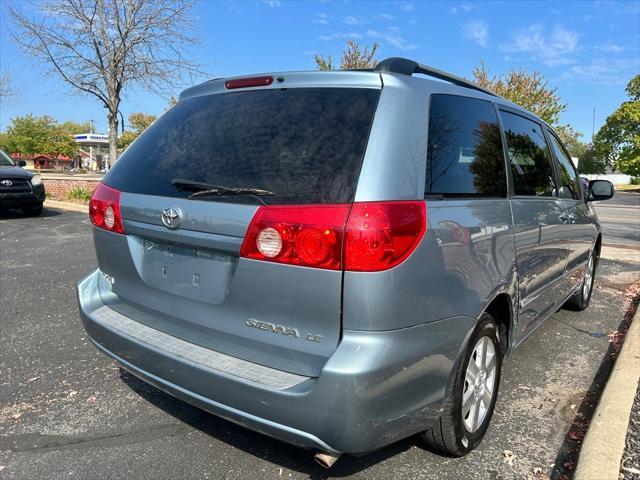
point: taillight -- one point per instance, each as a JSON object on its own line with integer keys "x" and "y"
{"x": 307, "y": 235}
{"x": 381, "y": 235}
{"x": 104, "y": 209}
{"x": 364, "y": 237}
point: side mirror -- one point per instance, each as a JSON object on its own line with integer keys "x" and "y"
{"x": 600, "y": 190}
{"x": 21, "y": 163}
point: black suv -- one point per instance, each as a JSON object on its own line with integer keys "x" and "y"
{"x": 19, "y": 188}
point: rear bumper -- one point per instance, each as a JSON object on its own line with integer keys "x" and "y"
{"x": 377, "y": 387}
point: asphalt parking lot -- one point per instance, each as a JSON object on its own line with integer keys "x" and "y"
{"x": 67, "y": 411}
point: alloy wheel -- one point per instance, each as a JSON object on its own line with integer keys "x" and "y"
{"x": 588, "y": 278}
{"x": 479, "y": 384}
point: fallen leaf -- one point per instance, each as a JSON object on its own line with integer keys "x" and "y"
{"x": 91, "y": 399}
{"x": 509, "y": 457}
{"x": 576, "y": 435}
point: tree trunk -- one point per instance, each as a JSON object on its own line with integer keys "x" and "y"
{"x": 113, "y": 138}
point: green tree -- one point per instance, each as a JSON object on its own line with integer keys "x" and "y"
{"x": 571, "y": 139}
{"x": 527, "y": 89}
{"x": 590, "y": 162}
{"x": 139, "y": 122}
{"x": 31, "y": 135}
{"x": 74, "y": 128}
{"x": 618, "y": 140}
{"x": 353, "y": 57}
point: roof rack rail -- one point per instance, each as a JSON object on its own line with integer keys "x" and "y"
{"x": 404, "y": 66}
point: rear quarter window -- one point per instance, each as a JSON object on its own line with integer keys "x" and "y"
{"x": 304, "y": 144}
{"x": 465, "y": 154}
{"x": 528, "y": 156}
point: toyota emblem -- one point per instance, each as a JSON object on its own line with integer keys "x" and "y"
{"x": 6, "y": 183}
{"x": 172, "y": 218}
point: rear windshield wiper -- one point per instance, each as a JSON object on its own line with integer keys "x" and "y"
{"x": 218, "y": 190}
{"x": 201, "y": 189}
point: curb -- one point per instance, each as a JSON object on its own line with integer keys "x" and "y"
{"x": 72, "y": 207}
{"x": 621, "y": 253}
{"x": 604, "y": 443}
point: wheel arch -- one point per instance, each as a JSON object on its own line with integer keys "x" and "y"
{"x": 501, "y": 309}
{"x": 598, "y": 245}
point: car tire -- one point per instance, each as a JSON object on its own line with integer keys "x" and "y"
{"x": 581, "y": 298}
{"x": 460, "y": 428}
{"x": 33, "y": 211}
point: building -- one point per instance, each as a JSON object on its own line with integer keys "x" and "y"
{"x": 45, "y": 162}
{"x": 93, "y": 150}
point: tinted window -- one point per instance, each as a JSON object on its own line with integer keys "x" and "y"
{"x": 570, "y": 184}
{"x": 304, "y": 144}
{"x": 528, "y": 156}
{"x": 5, "y": 160}
{"x": 465, "y": 153}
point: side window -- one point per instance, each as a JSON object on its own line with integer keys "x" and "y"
{"x": 528, "y": 156}
{"x": 569, "y": 182}
{"x": 465, "y": 155}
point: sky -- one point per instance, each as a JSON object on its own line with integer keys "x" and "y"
{"x": 588, "y": 50}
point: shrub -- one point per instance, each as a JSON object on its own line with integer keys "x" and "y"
{"x": 635, "y": 181}
{"x": 79, "y": 193}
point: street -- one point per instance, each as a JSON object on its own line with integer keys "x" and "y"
{"x": 620, "y": 218}
{"x": 67, "y": 411}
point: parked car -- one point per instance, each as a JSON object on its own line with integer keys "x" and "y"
{"x": 338, "y": 259}
{"x": 20, "y": 188}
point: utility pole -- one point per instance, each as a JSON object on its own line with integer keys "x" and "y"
{"x": 593, "y": 125}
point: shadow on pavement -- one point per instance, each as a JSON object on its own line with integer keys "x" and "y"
{"x": 256, "y": 444}
{"x": 14, "y": 213}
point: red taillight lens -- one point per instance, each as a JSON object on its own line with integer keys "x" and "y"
{"x": 104, "y": 209}
{"x": 248, "y": 82}
{"x": 364, "y": 237}
{"x": 308, "y": 235}
{"x": 381, "y": 235}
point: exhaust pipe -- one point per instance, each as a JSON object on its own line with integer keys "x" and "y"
{"x": 326, "y": 459}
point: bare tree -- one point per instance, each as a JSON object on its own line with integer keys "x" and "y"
{"x": 5, "y": 88}
{"x": 104, "y": 47}
{"x": 353, "y": 57}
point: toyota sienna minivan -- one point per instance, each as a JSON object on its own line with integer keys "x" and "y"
{"x": 339, "y": 259}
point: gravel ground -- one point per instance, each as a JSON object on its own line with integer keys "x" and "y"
{"x": 630, "y": 467}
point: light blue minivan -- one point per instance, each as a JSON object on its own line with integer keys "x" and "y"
{"x": 338, "y": 259}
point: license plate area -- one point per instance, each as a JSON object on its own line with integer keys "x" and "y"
{"x": 192, "y": 272}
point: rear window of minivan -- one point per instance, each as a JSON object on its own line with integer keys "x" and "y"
{"x": 304, "y": 144}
